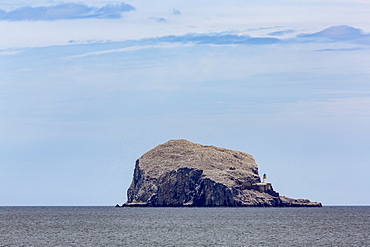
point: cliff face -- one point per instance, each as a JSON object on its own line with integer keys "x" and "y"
{"x": 182, "y": 173}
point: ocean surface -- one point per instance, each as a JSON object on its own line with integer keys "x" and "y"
{"x": 109, "y": 226}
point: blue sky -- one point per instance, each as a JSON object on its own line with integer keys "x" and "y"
{"x": 87, "y": 87}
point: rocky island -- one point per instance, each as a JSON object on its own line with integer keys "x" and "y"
{"x": 181, "y": 173}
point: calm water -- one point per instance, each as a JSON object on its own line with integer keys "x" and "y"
{"x": 109, "y": 226}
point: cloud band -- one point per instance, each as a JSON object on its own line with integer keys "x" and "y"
{"x": 65, "y": 11}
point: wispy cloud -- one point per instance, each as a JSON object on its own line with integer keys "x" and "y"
{"x": 128, "y": 49}
{"x": 337, "y": 33}
{"x": 176, "y": 12}
{"x": 343, "y": 49}
{"x": 159, "y": 19}
{"x": 173, "y": 41}
{"x": 10, "y": 52}
{"x": 219, "y": 39}
{"x": 193, "y": 39}
{"x": 65, "y": 11}
{"x": 281, "y": 33}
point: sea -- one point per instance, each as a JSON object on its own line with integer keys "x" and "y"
{"x": 110, "y": 226}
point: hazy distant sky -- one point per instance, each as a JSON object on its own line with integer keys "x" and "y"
{"x": 87, "y": 87}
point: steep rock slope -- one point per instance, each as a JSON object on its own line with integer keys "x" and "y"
{"x": 182, "y": 173}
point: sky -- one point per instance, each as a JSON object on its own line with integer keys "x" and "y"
{"x": 87, "y": 87}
